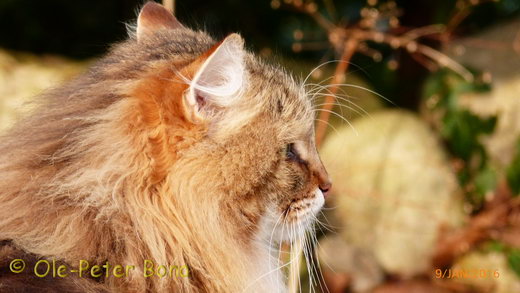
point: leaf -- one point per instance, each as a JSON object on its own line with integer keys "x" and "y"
{"x": 485, "y": 181}
{"x": 513, "y": 172}
{"x": 496, "y": 246}
{"x": 436, "y": 84}
{"x": 462, "y": 129}
{"x": 513, "y": 259}
{"x": 448, "y": 86}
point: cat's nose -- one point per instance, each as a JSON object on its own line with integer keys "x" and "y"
{"x": 325, "y": 187}
{"x": 318, "y": 170}
{"x": 324, "y": 181}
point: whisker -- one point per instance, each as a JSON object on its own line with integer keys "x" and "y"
{"x": 365, "y": 89}
{"x": 317, "y": 268}
{"x": 329, "y": 208}
{"x": 328, "y": 224}
{"x": 317, "y": 107}
{"x": 320, "y": 225}
{"x": 271, "y": 240}
{"x": 342, "y": 118}
{"x": 328, "y": 227}
{"x": 342, "y": 97}
{"x": 340, "y": 107}
{"x": 358, "y": 68}
{"x": 314, "y": 265}
{"x": 328, "y": 123}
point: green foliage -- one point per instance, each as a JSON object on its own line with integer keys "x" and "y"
{"x": 495, "y": 246}
{"x": 485, "y": 181}
{"x": 512, "y": 254}
{"x": 462, "y": 131}
{"x": 513, "y": 258}
{"x": 513, "y": 172}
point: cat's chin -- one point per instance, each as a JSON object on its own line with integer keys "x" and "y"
{"x": 298, "y": 218}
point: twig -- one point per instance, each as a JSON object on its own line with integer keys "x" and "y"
{"x": 412, "y": 46}
{"x": 339, "y": 74}
{"x": 480, "y": 228}
{"x": 425, "y": 30}
{"x": 463, "y": 10}
{"x": 516, "y": 43}
{"x": 445, "y": 61}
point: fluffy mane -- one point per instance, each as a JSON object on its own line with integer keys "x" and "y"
{"x": 75, "y": 185}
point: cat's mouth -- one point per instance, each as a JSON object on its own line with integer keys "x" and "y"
{"x": 298, "y": 216}
{"x": 305, "y": 208}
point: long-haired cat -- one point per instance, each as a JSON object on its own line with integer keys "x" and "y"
{"x": 174, "y": 148}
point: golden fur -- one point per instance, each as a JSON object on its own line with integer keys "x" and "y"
{"x": 111, "y": 167}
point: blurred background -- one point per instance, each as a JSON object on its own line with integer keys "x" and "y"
{"x": 418, "y": 125}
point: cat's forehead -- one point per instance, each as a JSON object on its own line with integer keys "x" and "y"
{"x": 283, "y": 96}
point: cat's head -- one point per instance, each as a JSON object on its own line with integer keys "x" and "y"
{"x": 224, "y": 122}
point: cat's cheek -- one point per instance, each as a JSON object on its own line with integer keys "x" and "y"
{"x": 318, "y": 202}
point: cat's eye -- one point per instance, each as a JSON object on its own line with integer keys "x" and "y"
{"x": 290, "y": 152}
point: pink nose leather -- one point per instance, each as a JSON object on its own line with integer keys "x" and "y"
{"x": 325, "y": 187}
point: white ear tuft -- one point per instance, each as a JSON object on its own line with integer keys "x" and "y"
{"x": 220, "y": 80}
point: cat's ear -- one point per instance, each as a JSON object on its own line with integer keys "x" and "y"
{"x": 153, "y": 17}
{"x": 218, "y": 80}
